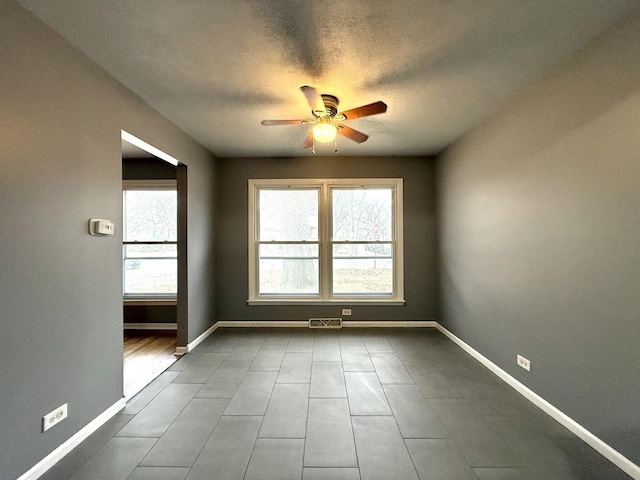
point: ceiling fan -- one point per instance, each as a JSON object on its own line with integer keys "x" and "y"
{"x": 326, "y": 121}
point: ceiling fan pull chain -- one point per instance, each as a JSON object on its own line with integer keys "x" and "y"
{"x": 335, "y": 144}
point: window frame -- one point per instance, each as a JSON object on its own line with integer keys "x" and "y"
{"x": 325, "y": 241}
{"x": 138, "y": 185}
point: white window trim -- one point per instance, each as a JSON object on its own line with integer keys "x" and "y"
{"x": 325, "y": 297}
{"x": 147, "y": 298}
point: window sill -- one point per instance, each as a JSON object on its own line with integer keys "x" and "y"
{"x": 339, "y": 301}
{"x": 149, "y": 301}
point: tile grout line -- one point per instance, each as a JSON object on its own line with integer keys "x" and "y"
{"x": 353, "y": 433}
{"x": 217, "y": 422}
{"x": 306, "y": 425}
{"x": 253, "y": 449}
{"x": 393, "y": 414}
{"x": 440, "y": 420}
{"x": 177, "y": 416}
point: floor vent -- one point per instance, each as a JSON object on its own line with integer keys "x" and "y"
{"x": 325, "y": 323}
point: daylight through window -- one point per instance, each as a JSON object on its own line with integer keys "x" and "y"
{"x": 150, "y": 238}
{"x": 325, "y": 240}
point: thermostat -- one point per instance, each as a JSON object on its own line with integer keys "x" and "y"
{"x": 100, "y": 226}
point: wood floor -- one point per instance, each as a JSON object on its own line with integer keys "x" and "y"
{"x": 147, "y": 353}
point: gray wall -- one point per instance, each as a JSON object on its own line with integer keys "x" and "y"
{"x": 150, "y": 313}
{"x": 419, "y": 233}
{"x": 201, "y": 248}
{"x": 147, "y": 169}
{"x": 61, "y": 289}
{"x": 539, "y": 220}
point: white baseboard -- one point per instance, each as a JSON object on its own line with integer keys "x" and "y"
{"x": 150, "y": 326}
{"x": 197, "y": 341}
{"x": 263, "y": 323}
{"x": 601, "y": 447}
{"x": 388, "y": 324}
{"x": 305, "y": 323}
{"x": 54, "y": 457}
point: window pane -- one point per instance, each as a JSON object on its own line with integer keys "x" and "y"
{"x": 288, "y": 215}
{"x": 288, "y": 269}
{"x": 150, "y": 251}
{"x": 150, "y": 276}
{"x": 362, "y": 214}
{"x": 362, "y": 269}
{"x": 150, "y": 215}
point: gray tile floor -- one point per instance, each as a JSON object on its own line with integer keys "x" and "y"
{"x": 299, "y": 404}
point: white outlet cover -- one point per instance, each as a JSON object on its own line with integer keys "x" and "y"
{"x": 54, "y": 417}
{"x": 346, "y": 311}
{"x": 524, "y": 363}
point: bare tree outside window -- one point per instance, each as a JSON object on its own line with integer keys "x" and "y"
{"x": 289, "y": 216}
{"x": 362, "y": 215}
{"x": 150, "y": 216}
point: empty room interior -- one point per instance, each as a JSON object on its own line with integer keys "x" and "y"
{"x": 394, "y": 239}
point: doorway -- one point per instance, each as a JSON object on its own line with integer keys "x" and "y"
{"x": 151, "y": 240}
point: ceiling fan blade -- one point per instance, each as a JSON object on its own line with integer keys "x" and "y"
{"x": 365, "y": 110}
{"x": 308, "y": 142}
{"x": 313, "y": 97}
{"x": 282, "y": 122}
{"x": 352, "y": 134}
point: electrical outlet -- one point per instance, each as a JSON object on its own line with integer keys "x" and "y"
{"x": 51, "y": 419}
{"x": 346, "y": 311}
{"x": 524, "y": 363}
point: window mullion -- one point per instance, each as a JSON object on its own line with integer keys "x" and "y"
{"x": 326, "y": 277}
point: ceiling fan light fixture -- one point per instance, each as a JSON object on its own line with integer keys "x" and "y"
{"x": 324, "y": 132}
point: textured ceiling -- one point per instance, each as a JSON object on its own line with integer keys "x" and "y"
{"x": 216, "y": 68}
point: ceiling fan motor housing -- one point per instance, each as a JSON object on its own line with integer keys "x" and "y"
{"x": 330, "y": 104}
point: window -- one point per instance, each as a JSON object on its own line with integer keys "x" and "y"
{"x": 325, "y": 241}
{"x": 150, "y": 254}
